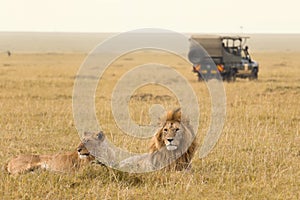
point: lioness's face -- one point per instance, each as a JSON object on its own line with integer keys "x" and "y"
{"x": 82, "y": 151}
{"x": 95, "y": 143}
{"x": 172, "y": 134}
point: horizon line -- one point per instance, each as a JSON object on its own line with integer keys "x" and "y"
{"x": 115, "y": 32}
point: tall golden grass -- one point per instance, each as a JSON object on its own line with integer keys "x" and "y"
{"x": 257, "y": 156}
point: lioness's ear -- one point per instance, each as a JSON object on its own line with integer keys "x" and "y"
{"x": 87, "y": 134}
{"x": 100, "y": 135}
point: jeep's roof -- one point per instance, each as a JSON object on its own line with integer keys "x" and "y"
{"x": 233, "y": 37}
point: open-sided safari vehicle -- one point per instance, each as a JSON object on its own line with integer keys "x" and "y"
{"x": 229, "y": 54}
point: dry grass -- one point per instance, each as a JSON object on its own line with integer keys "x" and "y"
{"x": 257, "y": 156}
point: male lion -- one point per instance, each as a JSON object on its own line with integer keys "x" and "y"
{"x": 172, "y": 147}
{"x": 174, "y": 143}
{"x": 61, "y": 162}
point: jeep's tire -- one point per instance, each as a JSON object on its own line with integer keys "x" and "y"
{"x": 231, "y": 76}
{"x": 254, "y": 74}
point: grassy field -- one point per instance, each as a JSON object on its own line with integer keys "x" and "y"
{"x": 257, "y": 156}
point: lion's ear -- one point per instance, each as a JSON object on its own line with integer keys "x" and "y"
{"x": 177, "y": 115}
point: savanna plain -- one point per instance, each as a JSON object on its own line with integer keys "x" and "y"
{"x": 256, "y": 157}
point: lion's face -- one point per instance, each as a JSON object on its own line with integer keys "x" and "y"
{"x": 176, "y": 134}
{"x": 172, "y": 135}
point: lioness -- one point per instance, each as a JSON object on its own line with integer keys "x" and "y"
{"x": 61, "y": 162}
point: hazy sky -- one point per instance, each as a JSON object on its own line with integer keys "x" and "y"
{"x": 230, "y": 16}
